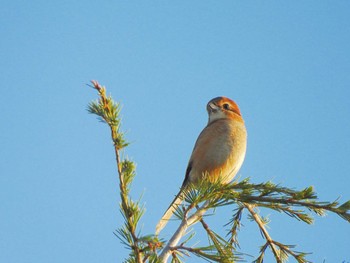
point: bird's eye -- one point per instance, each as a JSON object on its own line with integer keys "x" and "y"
{"x": 226, "y": 106}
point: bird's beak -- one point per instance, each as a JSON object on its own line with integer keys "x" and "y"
{"x": 212, "y": 107}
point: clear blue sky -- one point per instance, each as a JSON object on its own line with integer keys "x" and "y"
{"x": 286, "y": 63}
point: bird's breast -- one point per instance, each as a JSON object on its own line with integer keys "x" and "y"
{"x": 219, "y": 151}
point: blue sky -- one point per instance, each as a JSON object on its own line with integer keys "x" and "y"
{"x": 286, "y": 63}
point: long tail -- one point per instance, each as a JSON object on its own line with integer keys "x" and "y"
{"x": 169, "y": 212}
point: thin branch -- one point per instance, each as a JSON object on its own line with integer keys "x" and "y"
{"x": 225, "y": 250}
{"x": 181, "y": 230}
{"x": 261, "y": 225}
{"x": 236, "y": 225}
{"x": 109, "y": 114}
{"x": 197, "y": 251}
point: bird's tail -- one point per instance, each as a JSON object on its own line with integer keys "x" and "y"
{"x": 169, "y": 212}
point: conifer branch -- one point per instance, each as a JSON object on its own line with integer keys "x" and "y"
{"x": 236, "y": 225}
{"x": 263, "y": 230}
{"x": 108, "y": 112}
{"x": 181, "y": 230}
{"x": 225, "y": 250}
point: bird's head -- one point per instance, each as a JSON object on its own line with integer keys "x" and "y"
{"x": 223, "y": 108}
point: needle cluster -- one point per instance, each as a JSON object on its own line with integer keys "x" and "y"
{"x": 243, "y": 197}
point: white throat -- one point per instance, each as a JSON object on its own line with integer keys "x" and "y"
{"x": 216, "y": 115}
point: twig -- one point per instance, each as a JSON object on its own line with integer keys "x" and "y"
{"x": 185, "y": 223}
{"x": 124, "y": 199}
{"x": 257, "y": 219}
{"x": 188, "y": 249}
{"x": 117, "y": 146}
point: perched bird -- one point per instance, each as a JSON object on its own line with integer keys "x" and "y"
{"x": 218, "y": 153}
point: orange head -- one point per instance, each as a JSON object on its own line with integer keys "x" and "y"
{"x": 223, "y": 108}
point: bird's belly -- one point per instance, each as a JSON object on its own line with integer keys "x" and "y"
{"x": 222, "y": 162}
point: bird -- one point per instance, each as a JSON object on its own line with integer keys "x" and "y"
{"x": 218, "y": 153}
